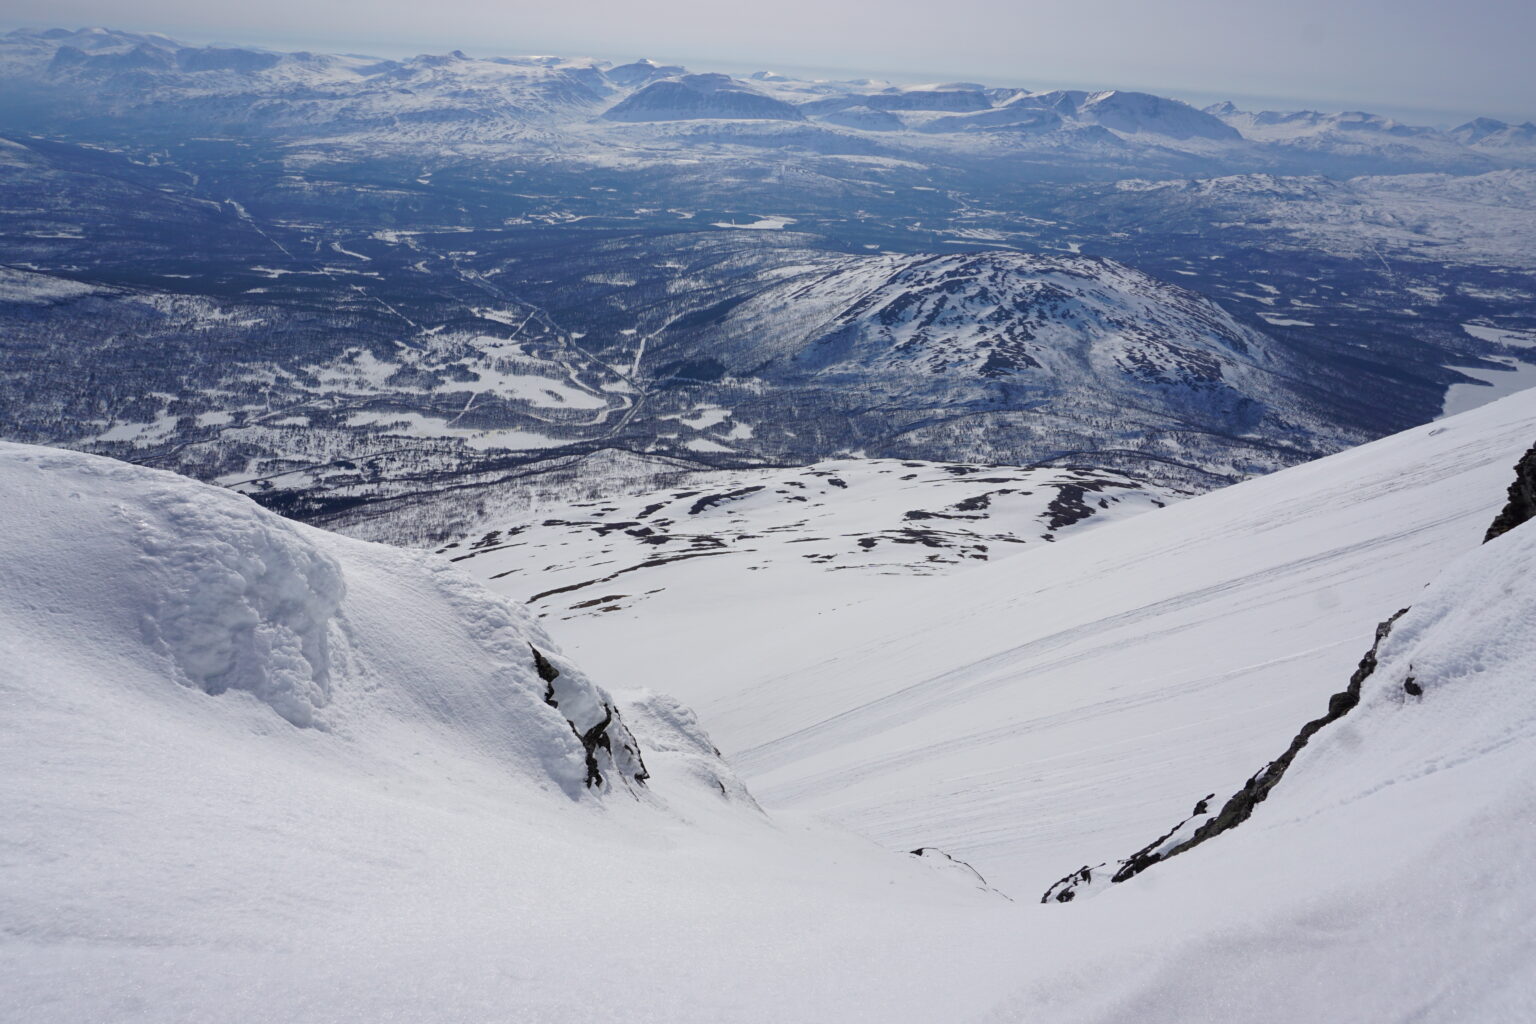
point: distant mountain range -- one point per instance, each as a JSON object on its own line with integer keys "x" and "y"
{"x": 96, "y": 77}
{"x": 349, "y": 286}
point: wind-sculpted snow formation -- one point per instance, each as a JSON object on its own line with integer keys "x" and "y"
{"x": 198, "y": 586}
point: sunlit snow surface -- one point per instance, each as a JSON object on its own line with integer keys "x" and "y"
{"x": 414, "y": 853}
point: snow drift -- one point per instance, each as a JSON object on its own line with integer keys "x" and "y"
{"x": 192, "y": 584}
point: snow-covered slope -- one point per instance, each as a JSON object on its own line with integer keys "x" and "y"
{"x": 252, "y": 771}
{"x": 98, "y": 75}
{"x": 994, "y": 316}
{"x": 1353, "y": 134}
{"x": 1138, "y": 667}
{"x": 421, "y": 843}
{"x": 191, "y": 593}
{"x": 1404, "y": 216}
{"x": 1383, "y": 878}
{"x": 693, "y": 97}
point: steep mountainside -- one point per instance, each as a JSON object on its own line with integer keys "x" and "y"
{"x": 256, "y": 772}
{"x": 980, "y": 710}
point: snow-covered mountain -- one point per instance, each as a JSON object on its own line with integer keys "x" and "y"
{"x": 95, "y": 78}
{"x": 1150, "y": 661}
{"x": 1007, "y": 317}
{"x": 254, "y": 771}
{"x": 101, "y": 77}
{"x": 1040, "y": 347}
{"x": 237, "y": 751}
{"x": 1123, "y": 113}
{"x": 692, "y": 97}
{"x": 343, "y": 284}
{"x": 673, "y": 358}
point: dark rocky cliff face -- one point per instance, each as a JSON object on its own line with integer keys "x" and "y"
{"x": 1521, "y": 507}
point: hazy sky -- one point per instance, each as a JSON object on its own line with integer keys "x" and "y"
{"x": 1471, "y": 56}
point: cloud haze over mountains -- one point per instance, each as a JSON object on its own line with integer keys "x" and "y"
{"x": 1311, "y": 50}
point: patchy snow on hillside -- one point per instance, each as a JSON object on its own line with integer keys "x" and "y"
{"x": 767, "y": 536}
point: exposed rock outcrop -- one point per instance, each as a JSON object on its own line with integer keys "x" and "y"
{"x": 1202, "y": 825}
{"x": 597, "y": 724}
{"x": 1521, "y": 507}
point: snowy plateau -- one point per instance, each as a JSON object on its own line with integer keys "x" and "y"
{"x": 536, "y": 539}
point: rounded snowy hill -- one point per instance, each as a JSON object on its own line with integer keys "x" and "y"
{"x": 1042, "y": 350}
{"x": 693, "y": 97}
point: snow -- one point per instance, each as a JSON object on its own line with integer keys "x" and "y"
{"x": 254, "y": 772}
{"x": 703, "y": 417}
{"x": 380, "y": 817}
{"x": 22, "y": 286}
{"x": 1135, "y": 668}
{"x": 1501, "y": 335}
{"x": 1379, "y": 869}
{"x": 842, "y": 529}
{"x": 1511, "y": 376}
{"x": 197, "y": 586}
{"x": 414, "y": 424}
{"x": 704, "y": 444}
{"x": 762, "y": 223}
{"x": 545, "y": 392}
